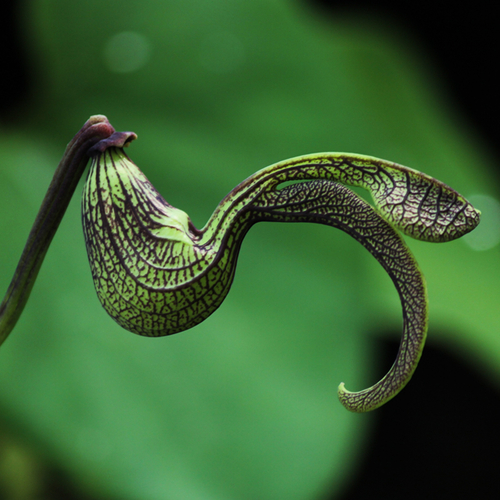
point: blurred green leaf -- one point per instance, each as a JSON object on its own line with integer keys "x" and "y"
{"x": 244, "y": 405}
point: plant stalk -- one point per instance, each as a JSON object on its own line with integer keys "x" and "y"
{"x": 54, "y": 205}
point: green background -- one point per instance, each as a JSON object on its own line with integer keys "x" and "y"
{"x": 243, "y": 406}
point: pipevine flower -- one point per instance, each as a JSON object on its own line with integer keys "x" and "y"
{"x": 156, "y": 274}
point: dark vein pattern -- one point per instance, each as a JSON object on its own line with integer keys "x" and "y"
{"x": 156, "y": 274}
{"x": 333, "y": 204}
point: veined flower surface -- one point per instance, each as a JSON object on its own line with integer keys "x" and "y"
{"x": 156, "y": 274}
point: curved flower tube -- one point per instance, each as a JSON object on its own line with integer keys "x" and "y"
{"x": 156, "y": 274}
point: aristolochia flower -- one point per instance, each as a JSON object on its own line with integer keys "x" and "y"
{"x": 156, "y": 274}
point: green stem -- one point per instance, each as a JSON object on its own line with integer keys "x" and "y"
{"x": 53, "y": 207}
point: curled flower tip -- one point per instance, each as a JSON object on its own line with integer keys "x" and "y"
{"x": 362, "y": 401}
{"x": 375, "y": 396}
{"x": 354, "y": 401}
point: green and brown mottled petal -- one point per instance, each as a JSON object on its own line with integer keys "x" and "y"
{"x": 156, "y": 274}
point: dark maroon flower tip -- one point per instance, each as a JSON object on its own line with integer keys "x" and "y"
{"x": 115, "y": 140}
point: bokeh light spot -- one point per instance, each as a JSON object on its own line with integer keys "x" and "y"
{"x": 126, "y": 52}
{"x": 487, "y": 234}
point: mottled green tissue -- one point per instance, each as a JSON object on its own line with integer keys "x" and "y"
{"x": 244, "y": 405}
